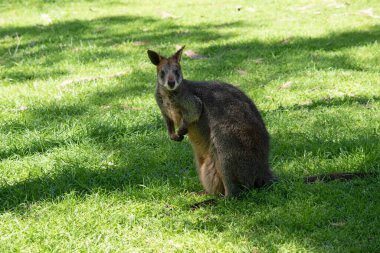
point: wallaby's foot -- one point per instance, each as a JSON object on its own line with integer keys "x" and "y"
{"x": 232, "y": 192}
{"x": 176, "y": 137}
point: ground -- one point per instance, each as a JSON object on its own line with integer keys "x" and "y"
{"x": 85, "y": 161}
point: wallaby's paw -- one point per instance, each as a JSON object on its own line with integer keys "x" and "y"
{"x": 182, "y": 131}
{"x": 176, "y": 137}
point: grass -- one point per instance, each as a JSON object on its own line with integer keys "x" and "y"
{"x": 85, "y": 163}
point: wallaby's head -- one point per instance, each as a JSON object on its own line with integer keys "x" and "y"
{"x": 169, "y": 74}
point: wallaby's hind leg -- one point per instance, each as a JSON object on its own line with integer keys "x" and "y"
{"x": 231, "y": 185}
{"x": 209, "y": 175}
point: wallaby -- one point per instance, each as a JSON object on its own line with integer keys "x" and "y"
{"x": 226, "y": 131}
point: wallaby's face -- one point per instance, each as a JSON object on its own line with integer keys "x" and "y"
{"x": 169, "y": 74}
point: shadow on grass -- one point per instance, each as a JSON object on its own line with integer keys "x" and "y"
{"x": 367, "y": 139}
{"x": 318, "y": 216}
{"x": 81, "y": 178}
{"x": 82, "y": 173}
{"x": 58, "y": 116}
{"x": 332, "y": 102}
{"x": 282, "y": 60}
{"x": 94, "y": 40}
{"x": 42, "y": 120}
{"x": 21, "y": 76}
{"x": 100, "y": 39}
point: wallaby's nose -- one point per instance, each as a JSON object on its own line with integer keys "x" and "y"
{"x": 171, "y": 83}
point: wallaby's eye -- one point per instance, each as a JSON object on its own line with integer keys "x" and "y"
{"x": 162, "y": 74}
{"x": 176, "y": 73}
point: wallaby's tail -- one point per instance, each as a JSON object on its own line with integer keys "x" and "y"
{"x": 337, "y": 176}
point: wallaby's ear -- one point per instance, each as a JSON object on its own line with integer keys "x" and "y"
{"x": 178, "y": 54}
{"x": 154, "y": 57}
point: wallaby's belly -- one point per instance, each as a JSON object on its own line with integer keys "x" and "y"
{"x": 199, "y": 142}
{"x": 207, "y": 166}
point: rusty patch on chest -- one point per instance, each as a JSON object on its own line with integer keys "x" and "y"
{"x": 198, "y": 142}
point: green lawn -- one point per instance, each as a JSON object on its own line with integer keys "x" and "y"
{"x": 85, "y": 161}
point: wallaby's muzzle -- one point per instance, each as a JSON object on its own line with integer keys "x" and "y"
{"x": 171, "y": 84}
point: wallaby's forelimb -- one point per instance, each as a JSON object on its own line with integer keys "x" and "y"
{"x": 183, "y": 127}
{"x": 191, "y": 111}
{"x": 176, "y": 137}
{"x": 171, "y": 130}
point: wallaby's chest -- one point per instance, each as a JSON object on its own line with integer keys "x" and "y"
{"x": 172, "y": 110}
